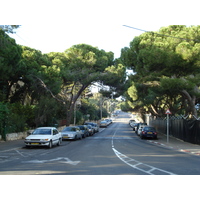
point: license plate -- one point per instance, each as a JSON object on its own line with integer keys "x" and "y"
{"x": 149, "y": 132}
{"x": 35, "y": 143}
{"x": 65, "y": 136}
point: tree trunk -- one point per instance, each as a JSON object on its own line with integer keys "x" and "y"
{"x": 70, "y": 108}
{"x": 191, "y": 102}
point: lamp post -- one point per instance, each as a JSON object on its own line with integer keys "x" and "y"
{"x": 101, "y": 105}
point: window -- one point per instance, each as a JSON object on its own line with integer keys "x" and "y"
{"x": 55, "y": 131}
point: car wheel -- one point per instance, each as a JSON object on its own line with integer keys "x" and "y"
{"x": 50, "y": 145}
{"x": 59, "y": 142}
{"x": 75, "y": 138}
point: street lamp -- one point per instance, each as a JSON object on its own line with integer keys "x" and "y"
{"x": 101, "y": 104}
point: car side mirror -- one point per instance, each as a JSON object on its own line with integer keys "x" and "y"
{"x": 29, "y": 132}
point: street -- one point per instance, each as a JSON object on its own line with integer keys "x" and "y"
{"x": 115, "y": 150}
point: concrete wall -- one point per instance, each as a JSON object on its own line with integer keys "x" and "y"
{"x": 21, "y": 135}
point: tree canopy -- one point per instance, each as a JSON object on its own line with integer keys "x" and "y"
{"x": 167, "y": 69}
{"x": 49, "y": 86}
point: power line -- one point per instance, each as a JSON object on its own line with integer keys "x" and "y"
{"x": 162, "y": 34}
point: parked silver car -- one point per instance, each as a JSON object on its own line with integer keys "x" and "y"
{"x": 109, "y": 121}
{"x": 71, "y": 133}
{"x": 104, "y": 124}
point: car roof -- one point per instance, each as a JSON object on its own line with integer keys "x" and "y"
{"x": 149, "y": 127}
{"x": 46, "y": 128}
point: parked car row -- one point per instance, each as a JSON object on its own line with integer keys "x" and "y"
{"x": 143, "y": 130}
{"x": 105, "y": 123}
{"x": 49, "y": 136}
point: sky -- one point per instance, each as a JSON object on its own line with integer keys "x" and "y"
{"x": 54, "y": 26}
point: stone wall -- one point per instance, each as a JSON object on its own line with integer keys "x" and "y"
{"x": 21, "y": 135}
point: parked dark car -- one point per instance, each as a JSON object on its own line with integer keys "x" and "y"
{"x": 148, "y": 132}
{"x": 94, "y": 126}
{"x": 84, "y": 129}
{"x": 134, "y": 126}
{"x": 90, "y": 129}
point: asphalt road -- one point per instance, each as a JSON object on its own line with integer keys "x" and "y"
{"x": 115, "y": 150}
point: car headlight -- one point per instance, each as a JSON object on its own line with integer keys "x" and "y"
{"x": 44, "y": 139}
{"x": 71, "y": 135}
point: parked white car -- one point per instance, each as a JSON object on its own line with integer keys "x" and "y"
{"x": 140, "y": 129}
{"x": 71, "y": 133}
{"x": 44, "y": 136}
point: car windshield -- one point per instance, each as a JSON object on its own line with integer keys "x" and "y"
{"x": 81, "y": 127}
{"x": 42, "y": 132}
{"x": 149, "y": 129}
{"x": 69, "y": 129}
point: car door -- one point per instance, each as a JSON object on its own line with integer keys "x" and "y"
{"x": 55, "y": 136}
{"x": 78, "y": 132}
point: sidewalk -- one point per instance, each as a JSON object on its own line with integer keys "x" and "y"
{"x": 176, "y": 144}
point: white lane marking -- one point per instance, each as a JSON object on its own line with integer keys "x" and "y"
{"x": 148, "y": 169}
{"x": 60, "y": 159}
{"x": 20, "y": 153}
{"x": 139, "y": 165}
{"x": 113, "y": 138}
{"x": 9, "y": 150}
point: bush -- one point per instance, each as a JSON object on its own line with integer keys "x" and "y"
{"x": 15, "y": 117}
{"x": 3, "y": 117}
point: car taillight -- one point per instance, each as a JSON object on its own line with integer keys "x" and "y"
{"x": 155, "y": 133}
{"x": 143, "y": 132}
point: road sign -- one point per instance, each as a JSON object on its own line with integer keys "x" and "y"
{"x": 168, "y": 112}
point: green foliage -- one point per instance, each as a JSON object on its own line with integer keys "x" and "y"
{"x": 4, "y": 111}
{"x": 9, "y": 28}
{"x": 166, "y": 65}
{"x": 40, "y": 88}
{"x": 15, "y": 117}
{"x": 46, "y": 111}
{"x": 10, "y": 65}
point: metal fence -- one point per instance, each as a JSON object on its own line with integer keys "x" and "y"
{"x": 180, "y": 127}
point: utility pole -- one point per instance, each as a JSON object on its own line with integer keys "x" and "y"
{"x": 168, "y": 113}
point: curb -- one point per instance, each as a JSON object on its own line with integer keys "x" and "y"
{"x": 170, "y": 147}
